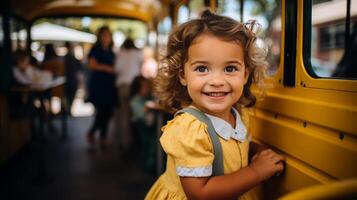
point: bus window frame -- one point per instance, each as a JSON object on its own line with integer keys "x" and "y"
{"x": 290, "y": 43}
{"x": 306, "y": 77}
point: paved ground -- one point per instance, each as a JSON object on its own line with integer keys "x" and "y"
{"x": 73, "y": 170}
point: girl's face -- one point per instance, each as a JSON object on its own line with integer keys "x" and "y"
{"x": 214, "y": 74}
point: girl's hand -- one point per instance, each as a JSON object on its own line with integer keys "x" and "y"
{"x": 267, "y": 163}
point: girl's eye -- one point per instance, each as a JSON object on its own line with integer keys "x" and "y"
{"x": 201, "y": 68}
{"x": 231, "y": 69}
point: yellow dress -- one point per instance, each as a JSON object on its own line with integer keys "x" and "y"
{"x": 187, "y": 144}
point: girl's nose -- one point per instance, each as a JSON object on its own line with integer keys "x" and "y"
{"x": 217, "y": 79}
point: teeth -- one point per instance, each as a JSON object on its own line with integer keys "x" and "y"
{"x": 215, "y": 94}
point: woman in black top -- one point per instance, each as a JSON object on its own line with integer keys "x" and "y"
{"x": 102, "y": 91}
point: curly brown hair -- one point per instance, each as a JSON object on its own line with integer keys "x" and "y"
{"x": 174, "y": 96}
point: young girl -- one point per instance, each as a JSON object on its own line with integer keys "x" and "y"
{"x": 210, "y": 65}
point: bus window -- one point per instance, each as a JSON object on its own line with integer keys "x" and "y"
{"x": 18, "y": 34}
{"x": 333, "y": 39}
{"x": 268, "y": 15}
{"x": 164, "y": 28}
{"x": 165, "y": 25}
{"x": 230, "y": 8}
{"x": 195, "y": 7}
{"x": 183, "y": 14}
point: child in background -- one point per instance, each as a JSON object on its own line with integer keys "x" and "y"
{"x": 142, "y": 121}
{"x": 210, "y": 65}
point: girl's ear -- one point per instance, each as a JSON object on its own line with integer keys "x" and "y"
{"x": 182, "y": 78}
{"x": 246, "y": 75}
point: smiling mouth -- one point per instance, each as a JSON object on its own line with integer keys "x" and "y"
{"x": 215, "y": 94}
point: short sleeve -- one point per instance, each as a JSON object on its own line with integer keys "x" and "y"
{"x": 185, "y": 139}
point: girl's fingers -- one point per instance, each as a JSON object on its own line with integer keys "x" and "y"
{"x": 281, "y": 158}
{"x": 266, "y": 152}
{"x": 279, "y": 167}
{"x": 278, "y": 158}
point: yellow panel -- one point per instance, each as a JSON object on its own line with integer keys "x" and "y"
{"x": 311, "y": 145}
{"x": 332, "y": 109}
{"x": 346, "y": 189}
{"x": 295, "y": 176}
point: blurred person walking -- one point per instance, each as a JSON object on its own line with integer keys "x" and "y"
{"x": 127, "y": 66}
{"x": 54, "y": 64}
{"x": 102, "y": 91}
{"x": 72, "y": 69}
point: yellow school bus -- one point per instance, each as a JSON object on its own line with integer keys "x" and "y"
{"x": 308, "y": 111}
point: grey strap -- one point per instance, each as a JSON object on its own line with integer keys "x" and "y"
{"x": 217, "y": 149}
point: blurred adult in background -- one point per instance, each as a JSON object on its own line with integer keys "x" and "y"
{"x": 127, "y": 66}
{"x": 149, "y": 67}
{"x": 26, "y": 74}
{"x": 52, "y": 62}
{"x": 102, "y": 91}
{"x": 34, "y": 62}
{"x": 23, "y": 72}
{"x": 20, "y": 103}
{"x": 72, "y": 69}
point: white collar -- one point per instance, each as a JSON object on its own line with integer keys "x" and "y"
{"x": 226, "y": 131}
